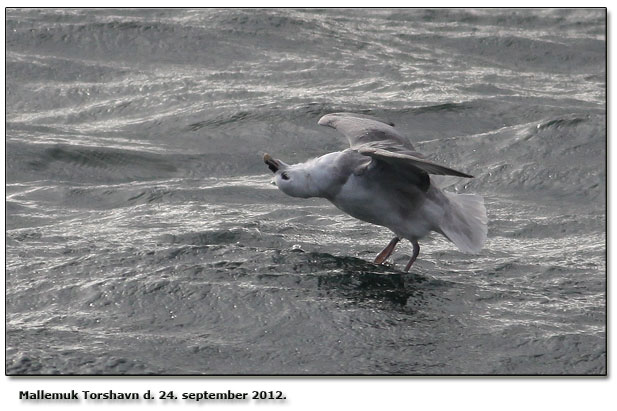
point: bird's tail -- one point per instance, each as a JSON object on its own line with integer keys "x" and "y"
{"x": 465, "y": 221}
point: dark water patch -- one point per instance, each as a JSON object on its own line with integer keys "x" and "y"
{"x": 97, "y": 163}
{"x": 342, "y": 277}
{"x": 209, "y": 237}
{"x": 578, "y": 56}
{"x": 488, "y": 90}
{"x": 562, "y": 122}
{"x": 250, "y": 23}
{"x": 218, "y": 122}
{"x": 448, "y": 107}
{"x": 58, "y": 70}
{"x": 103, "y": 158}
{"x": 370, "y": 288}
{"x": 109, "y": 165}
{"x": 109, "y": 197}
{"x": 327, "y": 262}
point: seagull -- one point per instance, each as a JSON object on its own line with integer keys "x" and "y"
{"x": 383, "y": 180}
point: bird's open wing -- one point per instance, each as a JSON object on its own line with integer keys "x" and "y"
{"x": 377, "y": 138}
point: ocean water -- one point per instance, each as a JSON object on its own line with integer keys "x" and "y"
{"x": 143, "y": 235}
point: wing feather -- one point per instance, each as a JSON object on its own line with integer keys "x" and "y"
{"x": 402, "y": 159}
{"x": 377, "y": 139}
{"x": 362, "y": 129}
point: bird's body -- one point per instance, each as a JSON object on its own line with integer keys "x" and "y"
{"x": 355, "y": 186}
{"x": 382, "y": 180}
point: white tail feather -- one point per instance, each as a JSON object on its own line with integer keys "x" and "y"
{"x": 465, "y": 222}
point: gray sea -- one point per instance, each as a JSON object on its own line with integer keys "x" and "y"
{"x": 144, "y": 236}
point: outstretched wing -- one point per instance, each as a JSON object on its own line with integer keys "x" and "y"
{"x": 362, "y": 129}
{"x": 377, "y": 138}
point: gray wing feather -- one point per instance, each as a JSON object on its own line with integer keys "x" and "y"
{"x": 377, "y": 138}
{"x": 356, "y": 115}
{"x": 402, "y": 159}
{"x": 362, "y": 129}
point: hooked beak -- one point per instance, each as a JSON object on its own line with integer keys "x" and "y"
{"x": 273, "y": 164}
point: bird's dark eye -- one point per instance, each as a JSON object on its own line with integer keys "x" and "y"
{"x": 284, "y": 176}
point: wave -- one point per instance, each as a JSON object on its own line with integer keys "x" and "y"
{"x": 530, "y": 153}
{"x": 521, "y": 53}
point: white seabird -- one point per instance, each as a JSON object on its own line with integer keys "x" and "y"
{"x": 381, "y": 179}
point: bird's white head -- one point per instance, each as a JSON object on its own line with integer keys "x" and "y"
{"x": 293, "y": 180}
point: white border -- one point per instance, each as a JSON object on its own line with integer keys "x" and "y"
{"x": 364, "y": 393}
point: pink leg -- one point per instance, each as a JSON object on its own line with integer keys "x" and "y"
{"x": 416, "y": 251}
{"x": 386, "y": 252}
